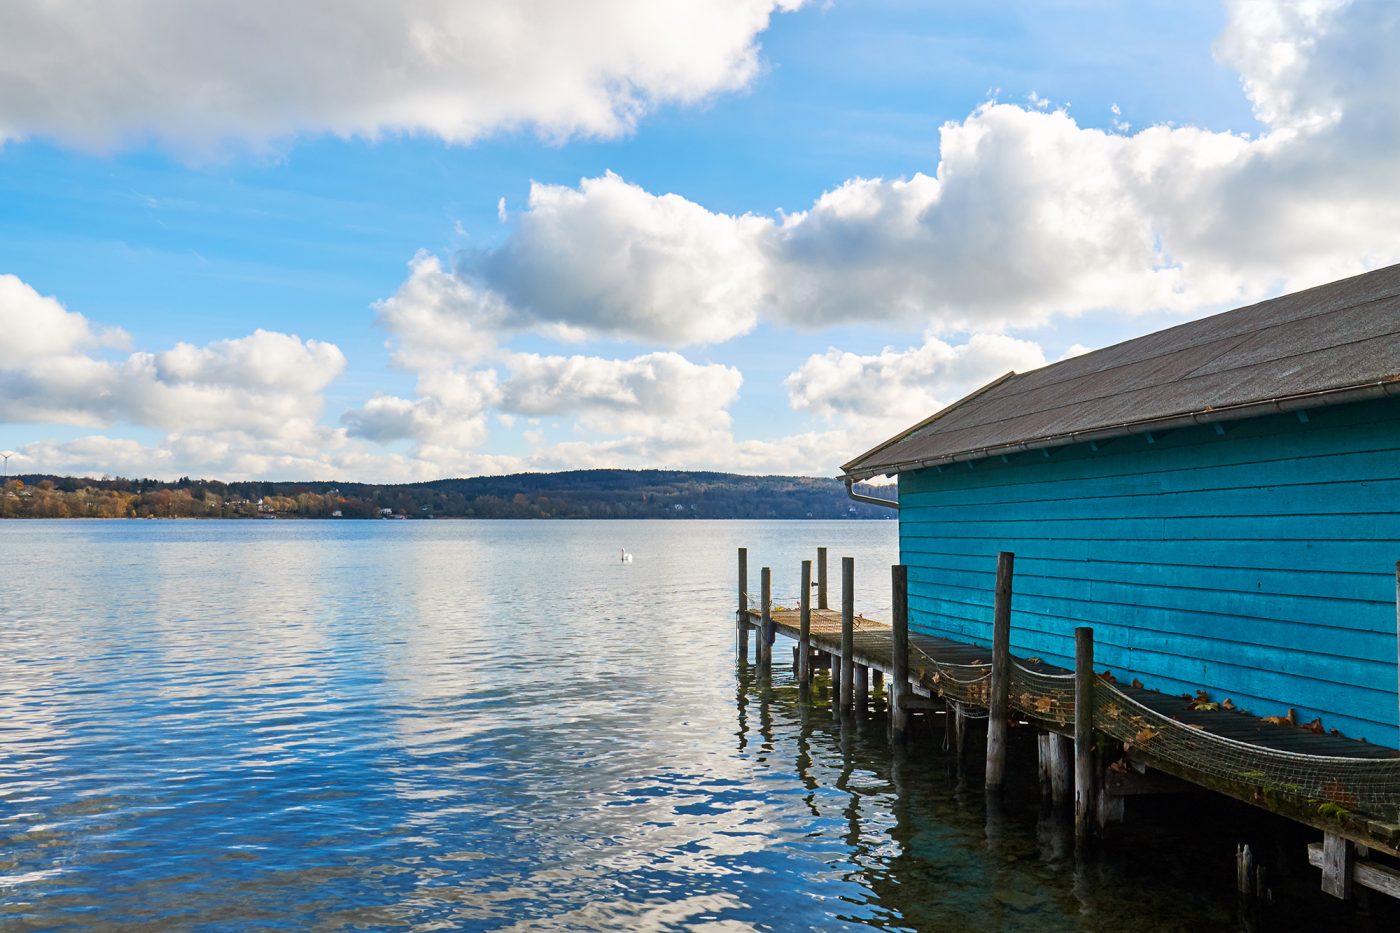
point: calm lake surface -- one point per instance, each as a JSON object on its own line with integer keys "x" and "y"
{"x": 499, "y": 725}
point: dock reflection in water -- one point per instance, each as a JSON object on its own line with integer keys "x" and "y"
{"x": 497, "y": 725}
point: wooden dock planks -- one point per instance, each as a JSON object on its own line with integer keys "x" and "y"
{"x": 871, "y": 647}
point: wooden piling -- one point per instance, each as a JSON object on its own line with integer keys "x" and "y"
{"x": 862, "y": 690}
{"x": 1083, "y": 731}
{"x": 834, "y": 666}
{"x": 765, "y": 644}
{"x": 804, "y": 632}
{"x": 743, "y": 614}
{"x": 848, "y": 631}
{"x": 821, "y": 578}
{"x": 1001, "y": 674}
{"x": 1061, "y": 749}
{"x": 1338, "y": 855}
{"x": 899, "y": 652}
{"x": 1244, "y": 870}
{"x": 959, "y": 736}
{"x": 1368, "y": 873}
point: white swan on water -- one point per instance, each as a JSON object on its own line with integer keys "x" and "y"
{"x": 626, "y": 558}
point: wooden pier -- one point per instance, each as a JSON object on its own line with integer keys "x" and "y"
{"x": 1165, "y": 740}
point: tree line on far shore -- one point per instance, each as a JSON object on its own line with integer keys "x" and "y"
{"x": 671, "y": 494}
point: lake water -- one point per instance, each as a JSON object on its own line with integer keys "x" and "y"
{"x": 499, "y": 725}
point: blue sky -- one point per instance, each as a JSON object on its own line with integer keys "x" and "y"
{"x": 196, "y": 205}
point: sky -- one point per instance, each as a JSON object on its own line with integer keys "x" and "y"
{"x": 434, "y": 238}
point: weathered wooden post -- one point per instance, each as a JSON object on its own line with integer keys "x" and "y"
{"x": 804, "y": 628}
{"x": 848, "y": 630}
{"x": 834, "y": 667}
{"x": 960, "y": 736}
{"x": 1083, "y": 731}
{"x": 821, "y": 578}
{"x": 862, "y": 690}
{"x": 1061, "y": 768}
{"x": 765, "y": 645}
{"x": 743, "y": 613}
{"x": 1338, "y": 861}
{"x": 1244, "y": 869}
{"x": 998, "y": 711}
{"x": 899, "y": 653}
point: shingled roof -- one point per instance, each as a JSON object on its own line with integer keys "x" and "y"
{"x": 1326, "y": 345}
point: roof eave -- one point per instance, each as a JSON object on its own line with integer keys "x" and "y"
{"x": 1336, "y": 396}
{"x": 846, "y": 468}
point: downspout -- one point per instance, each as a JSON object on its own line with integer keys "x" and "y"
{"x": 869, "y": 500}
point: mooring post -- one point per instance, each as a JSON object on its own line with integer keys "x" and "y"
{"x": 848, "y": 632}
{"x": 1083, "y": 731}
{"x": 804, "y": 628}
{"x": 997, "y": 713}
{"x": 743, "y": 613}
{"x": 765, "y": 645}
{"x": 899, "y": 652}
{"x": 821, "y": 578}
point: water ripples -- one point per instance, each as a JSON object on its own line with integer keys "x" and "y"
{"x": 443, "y": 725}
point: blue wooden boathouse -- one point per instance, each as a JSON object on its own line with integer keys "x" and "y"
{"x": 1220, "y": 501}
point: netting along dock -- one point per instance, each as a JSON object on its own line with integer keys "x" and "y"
{"x": 1337, "y": 780}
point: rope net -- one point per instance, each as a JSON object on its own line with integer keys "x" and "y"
{"x": 1334, "y": 785}
{"x": 1331, "y": 785}
{"x": 1045, "y": 696}
{"x": 961, "y": 683}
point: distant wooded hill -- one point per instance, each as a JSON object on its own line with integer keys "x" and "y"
{"x": 573, "y": 494}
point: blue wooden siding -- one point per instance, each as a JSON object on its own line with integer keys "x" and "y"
{"x": 1257, "y": 564}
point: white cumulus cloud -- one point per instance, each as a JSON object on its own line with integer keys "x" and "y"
{"x": 1027, "y": 215}
{"x": 50, "y": 370}
{"x": 199, "y": 73}
{"x": 38, "y": 327}
{"x": 895, "y": 388}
